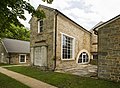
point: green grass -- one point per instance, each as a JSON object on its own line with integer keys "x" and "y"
{"x": 6, "y": 64}
{"x": 7, "y": 82}
{"x": 62, "y": 80}
{"x": 3, "y": 64}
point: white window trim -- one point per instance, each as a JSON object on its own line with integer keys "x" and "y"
{"x": 84, "y": 50}
{"x": 39, "y": 26}
{"x": 73, "y": 51}
{"x": 20, "y": 58}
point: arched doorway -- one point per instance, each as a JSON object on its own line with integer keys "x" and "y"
{"x": 83, "y": 57}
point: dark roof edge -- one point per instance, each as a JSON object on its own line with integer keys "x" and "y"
{"x": 105, "y": 23}
{"x": 15, "y": 39}
{"x": 64, "y": 16}
{"x": 45, "y": 7}
{"x": 72, "y": 21}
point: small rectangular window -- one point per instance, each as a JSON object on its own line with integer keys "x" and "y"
{"x": 22, "y": 58}
{"x": 40, "y": 26}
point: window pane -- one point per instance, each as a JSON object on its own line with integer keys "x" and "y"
{"x": 83, "y": 58}
{"x": 67, "y": 47}
{"x": 40, "y": 28}
{"x": 22, "y": 58}
{"x": 41, "y": 22}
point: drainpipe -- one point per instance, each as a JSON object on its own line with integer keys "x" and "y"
{"x": 9, "y": 58}
{"x": 55, "y": 39}
{"x": 96, "y": 33}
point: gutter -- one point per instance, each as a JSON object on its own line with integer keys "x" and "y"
{"x": 55, "y": 40}
{"x": 95, "y": 31}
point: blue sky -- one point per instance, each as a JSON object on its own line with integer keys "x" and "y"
{"x": 87, "y": 13}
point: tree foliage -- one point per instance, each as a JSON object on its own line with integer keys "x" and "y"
{"x": 11, "y": 10}
{"x": 16, "y": 32}
{"x": 48, "y": 1}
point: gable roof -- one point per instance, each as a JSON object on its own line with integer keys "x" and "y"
{"x": 107, "y": 22}
{"x": 52, "y": 9}
{"x": 16, "y": 46}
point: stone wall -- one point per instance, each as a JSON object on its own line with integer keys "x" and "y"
{"x": 82, "y": 41}
{"x": 94, "y": 42}
{"x": 14, "y": 58}
{"x": 45, "y": 38}
{"x": 3, "y": 54}
{"x": 109, "y": 51}
{"x": 94, "y": 45}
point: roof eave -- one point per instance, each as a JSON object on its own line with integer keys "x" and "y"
{"x": 72, "y": 20}
{"x": 107, "y": 22}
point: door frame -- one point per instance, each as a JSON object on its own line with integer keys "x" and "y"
{"x": 42, "y": 55}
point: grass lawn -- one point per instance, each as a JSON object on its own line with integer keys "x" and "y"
{"x": 3, "y": 64}
{"x": 7, "y": 82}
{"x": 6, "y": 64}
{"x": 62, "y": 80}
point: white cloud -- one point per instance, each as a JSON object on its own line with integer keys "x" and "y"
{"x": 105, "y": 8}
{"x": 87, "y": 13}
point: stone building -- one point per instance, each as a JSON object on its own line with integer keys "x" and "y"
{"x": 94, "y": 43}
{"x": 14, "y": 51}
{"x": 109, "y": 49}
{"x": 57, "y": 42}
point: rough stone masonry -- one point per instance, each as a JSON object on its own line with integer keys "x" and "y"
{"x": 109, "y": 50}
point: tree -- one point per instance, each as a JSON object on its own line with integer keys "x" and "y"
{"x": 48, "y": 1}
{"x": 16, "y": 32}
{"x": 11, "y": 10}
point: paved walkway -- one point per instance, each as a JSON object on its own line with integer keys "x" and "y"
{"x": 31, "y": 82}
{"x": 82, "y": 70}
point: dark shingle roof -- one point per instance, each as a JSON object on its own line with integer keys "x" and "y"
{"x": 16, "y": 46}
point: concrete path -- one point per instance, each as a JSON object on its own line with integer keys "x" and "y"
{"x": 31, "y": 82}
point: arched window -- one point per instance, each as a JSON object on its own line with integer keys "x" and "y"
{"x": 83, "y": 58}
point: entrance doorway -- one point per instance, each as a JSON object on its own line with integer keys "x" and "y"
{"x": 40, "y": 56}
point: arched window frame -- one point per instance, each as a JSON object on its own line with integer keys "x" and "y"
{"x": 80, "y": 54}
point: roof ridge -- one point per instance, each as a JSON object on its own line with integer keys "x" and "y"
{"x": 15, "y": 39}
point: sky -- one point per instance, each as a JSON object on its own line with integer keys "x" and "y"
{"x": 86, "y": 13}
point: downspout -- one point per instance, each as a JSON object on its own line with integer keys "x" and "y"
{"x": 96, "y": 33}
{"x": 98, "y": 53}
{"x": 55, "y": 40}
{"x": 9, "y": 58}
